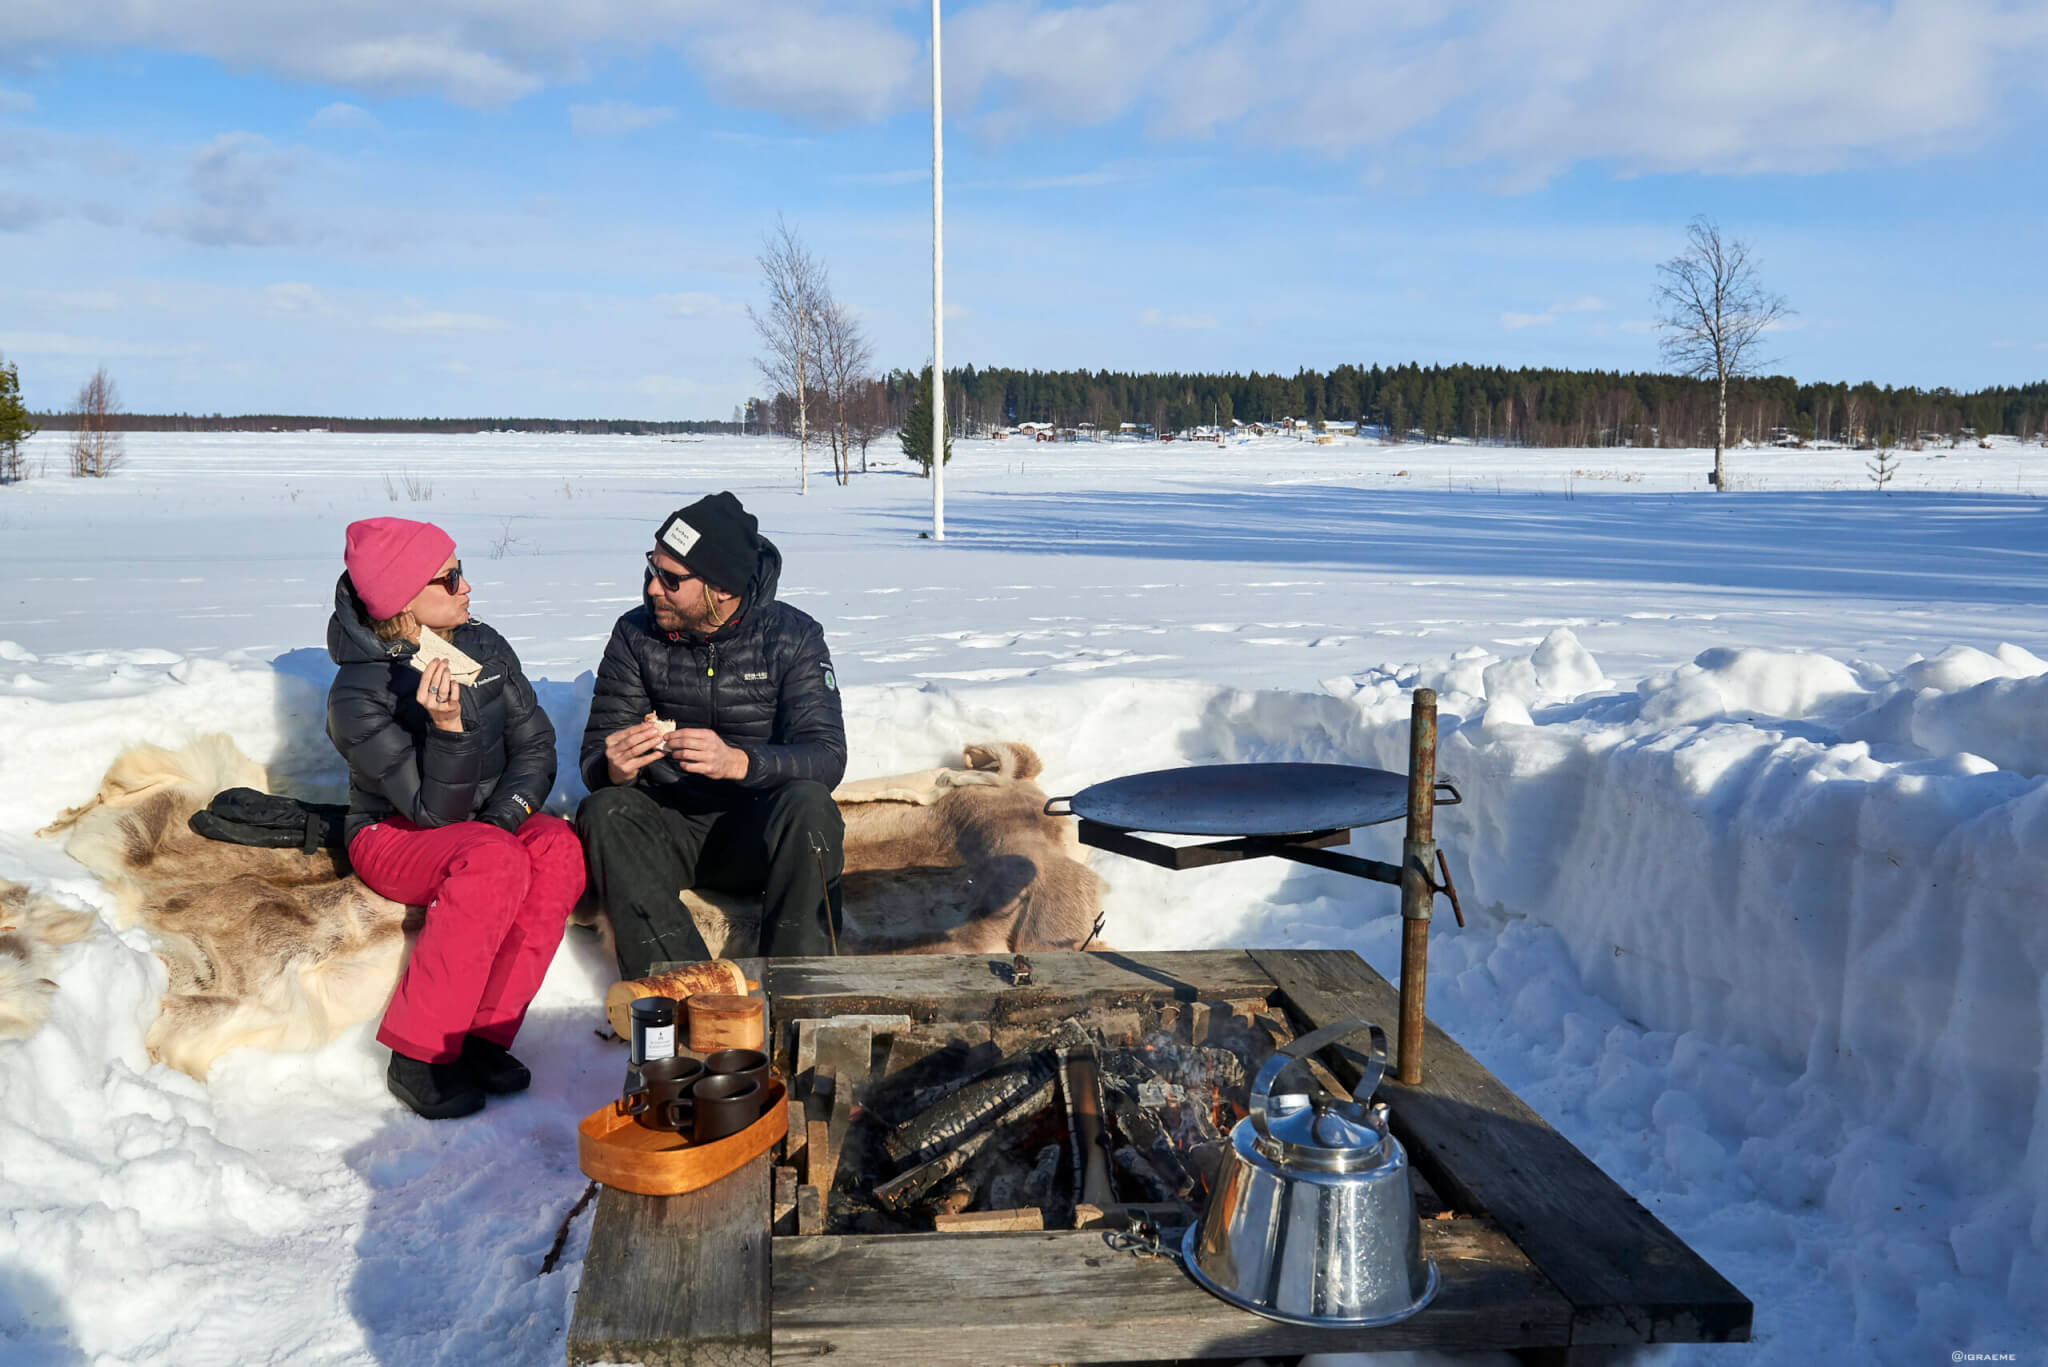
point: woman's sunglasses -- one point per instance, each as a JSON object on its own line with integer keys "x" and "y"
{"x": 450, "y": 580}
{"x": 669, "y": 580}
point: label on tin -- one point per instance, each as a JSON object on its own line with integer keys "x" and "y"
{"x": 658, "y": 1041}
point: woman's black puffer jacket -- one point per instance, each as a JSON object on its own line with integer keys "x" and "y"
{"x": 763, "y": 682}
{"x": 498, "y": 768}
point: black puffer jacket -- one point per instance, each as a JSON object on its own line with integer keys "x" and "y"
{"x": 498, "y": 768}
{"x": 763, "y": 682}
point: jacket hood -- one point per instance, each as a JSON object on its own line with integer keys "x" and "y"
{"x": 349, "y": 638}
{"x": 760, "y": 592}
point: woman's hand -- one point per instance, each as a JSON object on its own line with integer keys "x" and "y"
{"x": 441, "y": 696}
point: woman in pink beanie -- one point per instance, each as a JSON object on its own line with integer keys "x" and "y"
{"x": 449, "y": 760}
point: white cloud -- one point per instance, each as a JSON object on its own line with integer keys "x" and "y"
{"x": 1516, "y": 91}
{"x": 342, "y": 115}
{"x": 233, "y": 179}
{"x": 1516, "y": 321}
{"x": 612, "y": 118}
{"x": 1022, "y": 63}
{"x": 798, "y": 60}
{"x": 16, "y": 102}
{"x": 1585, "y": 303}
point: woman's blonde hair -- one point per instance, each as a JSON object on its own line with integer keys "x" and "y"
{"x": 404, "y": 627}
{"x": 399, "y": 628}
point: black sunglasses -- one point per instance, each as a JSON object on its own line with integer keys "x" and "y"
{"x": 669, "y": 580}
{"x": 449, "y": 581}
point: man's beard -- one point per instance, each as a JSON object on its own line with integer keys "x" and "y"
{"x": 670, "y": 616}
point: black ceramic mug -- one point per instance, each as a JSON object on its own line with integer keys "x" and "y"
{"x": 725, "y": 1104}
{"x": 663, "y": 1101}
{"x": 751, "y": 1063}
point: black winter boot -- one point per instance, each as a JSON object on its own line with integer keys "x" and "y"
{"x": 492, "y": 1066}
{"x": 437, "y": 1091}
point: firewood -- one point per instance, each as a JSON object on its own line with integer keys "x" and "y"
{"x": 988, "y": 1221}
{"x": 782, "y": 1206}
{"x": 1084, "y": 1106}
{"x": 958, "y": 1198}
{"x": 1120, "y": 1215}
{"x": 810, "y": 1210}
{"x": 947, "y": 1122}
{"x": 905, "y": 1188}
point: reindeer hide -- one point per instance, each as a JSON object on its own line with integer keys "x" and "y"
{"x": 281, "y": 950}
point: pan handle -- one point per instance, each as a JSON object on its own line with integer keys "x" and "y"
{"x": 1454, "y": 799}
{"x": 1069, "y": 810}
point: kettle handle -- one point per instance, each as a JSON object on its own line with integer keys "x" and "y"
{"x": 1294, "y": 1051}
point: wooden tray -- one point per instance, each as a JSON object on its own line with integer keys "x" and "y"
{"x": 619, "y": 1151}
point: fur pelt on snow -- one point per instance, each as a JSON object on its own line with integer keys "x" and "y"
{"x": 32, "y": 926}
{"x": 945, "y": 861}
{"x": 266, "y": 947}
{"x": 282, "y": 950}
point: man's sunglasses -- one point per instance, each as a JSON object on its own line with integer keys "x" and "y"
{"x": 669, "y": 580}
{"x": 450, "y": 580}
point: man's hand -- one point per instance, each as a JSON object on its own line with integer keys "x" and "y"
{"x": 628, "y": 751}
{"x": 698, "y": 751}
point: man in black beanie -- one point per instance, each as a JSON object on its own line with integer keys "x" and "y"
{"x": 714, "y": 742}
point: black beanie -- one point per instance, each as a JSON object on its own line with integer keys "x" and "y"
{"x": 714, "y": 538}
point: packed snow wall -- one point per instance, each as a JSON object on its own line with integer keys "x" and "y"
{"x": 1844, "y": 867}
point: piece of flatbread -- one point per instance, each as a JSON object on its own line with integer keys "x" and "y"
{"x": 461, "y": 668}
{"x": 662, "y": 724}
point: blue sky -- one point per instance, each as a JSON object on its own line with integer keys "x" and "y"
{"x": 452, "y": 207}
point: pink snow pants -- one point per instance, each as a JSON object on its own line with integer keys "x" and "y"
{"x": 496, "y": 905}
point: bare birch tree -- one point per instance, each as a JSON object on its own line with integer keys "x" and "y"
{"x": 799, "y": 293}
{"x": 1713, "y": 310}
{"x": 846, "y": 361}
{"x": 95, "y": 448}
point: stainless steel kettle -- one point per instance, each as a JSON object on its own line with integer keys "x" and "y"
{"x": 1312, "y": 1219}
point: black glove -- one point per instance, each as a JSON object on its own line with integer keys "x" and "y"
{"x": 508, "y": 812}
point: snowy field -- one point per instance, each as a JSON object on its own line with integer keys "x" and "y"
{"x": 1754, "y": 848}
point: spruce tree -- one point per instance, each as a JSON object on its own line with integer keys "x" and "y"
{"x": 16, "y": 426}
{"x": 916, "y": 435}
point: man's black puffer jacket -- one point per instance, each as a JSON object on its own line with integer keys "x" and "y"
{"x": 763, "y": 682}
{"x": 498, "y": 768}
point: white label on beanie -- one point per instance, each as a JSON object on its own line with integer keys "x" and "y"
{"x": 680, "y": 537}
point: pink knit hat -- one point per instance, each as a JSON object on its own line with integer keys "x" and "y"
{"x": 390, "y": 560}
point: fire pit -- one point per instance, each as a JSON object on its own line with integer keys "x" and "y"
{"x": 1003, "y": 1258}
{"x": 963, "y": 1125}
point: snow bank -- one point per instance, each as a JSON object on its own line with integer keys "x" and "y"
{"x": 1762, "y": 935}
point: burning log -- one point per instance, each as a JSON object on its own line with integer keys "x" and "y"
{"x": 953, "y": 1118}
{"x": 904, "y": 1189}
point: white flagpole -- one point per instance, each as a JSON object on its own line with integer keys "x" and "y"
{"x": 938, "y": 298}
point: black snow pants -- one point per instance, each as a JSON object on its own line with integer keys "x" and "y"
{"x": 786, "y": 843}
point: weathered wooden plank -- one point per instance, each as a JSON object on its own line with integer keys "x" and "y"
{"x": 954, "y": 1300}
{"x": 976, "y": 986}
{"x": 678, "y": 1281}
{"x": 1628, "y": 1277}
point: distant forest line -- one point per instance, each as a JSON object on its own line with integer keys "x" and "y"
{"x": 1528, "y": 407}
{"x": 1525, "y": 406}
